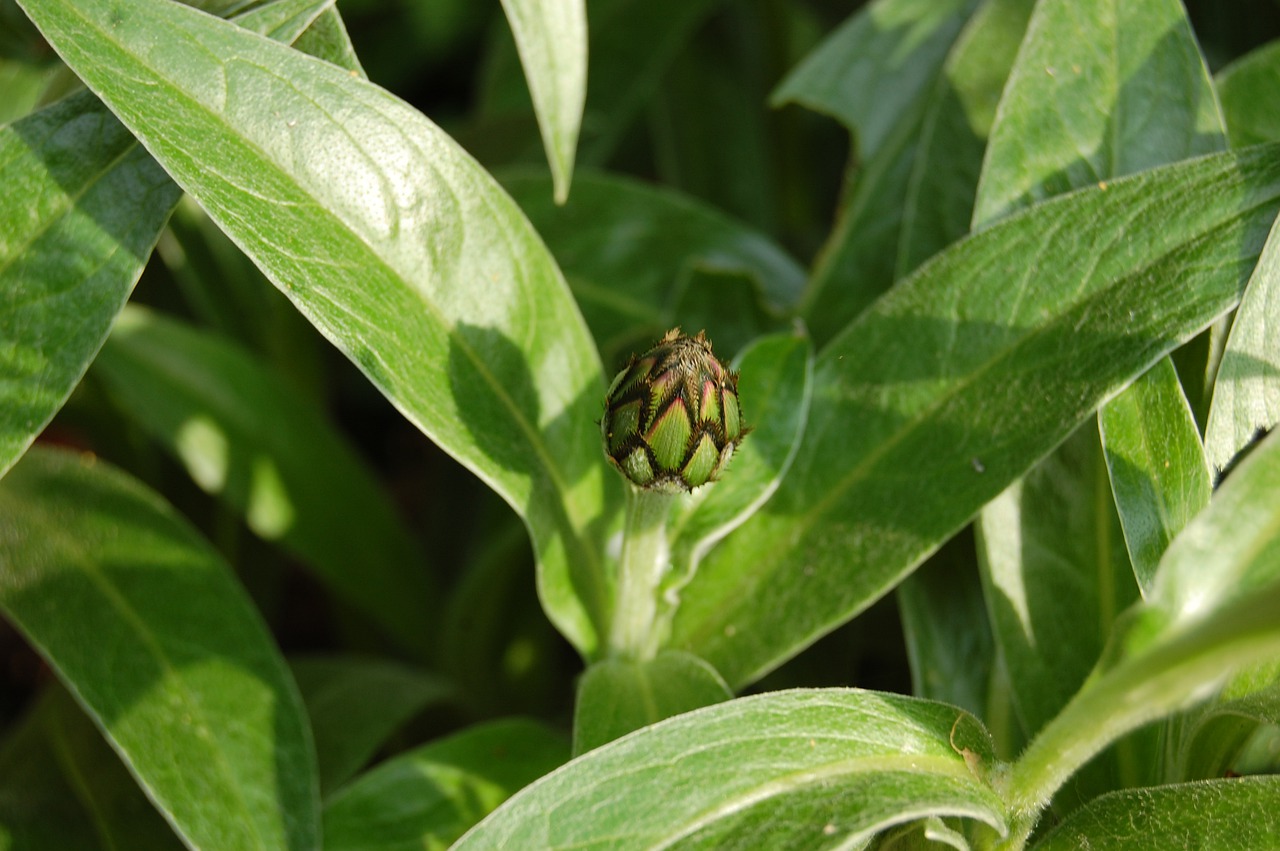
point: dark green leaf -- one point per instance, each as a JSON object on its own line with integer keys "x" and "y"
{"x": 631, "y": 251}
{"x": 1239, "y": 813}
{"x": 617, "y": 696}
{"x": 393, "y": 242}
{"x": 948, "y": 388}
{"x": 1156, "y": 465}
{"x": 247, "y": 436}
{"x": 150, "y": 631}
{"x": 798, "y": 769}
{"x": 1250, "y": 93}
{"x": 427, "y": 797}
{"x": 348, "y": 726}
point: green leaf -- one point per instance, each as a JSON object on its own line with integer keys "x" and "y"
{"x": 1211, "y": 610}
{"x": 1218, "y": 735}
{"x": 1248, "y": 89}
{"x": 393, "y": 242}
{"x": 875, "y": 74}
{"x": 21, "y": 85}
{"x": 617, "y": 696}
{"x": 1239, "y": 813}
{"x": 152, "y": 634}
{"x": 428, "y": 797}
{"x": 631, "y": 253}
{"x": 1246, "y": 395}
{"x": 349, "y": 728}
{"x": 947, "y": 389}
{"x": 1158, "y": 474}
{"x": 1099, "y": 90}
{"x": 246, "y": 435}
{"x": 810, "y": 769}
{"x": 70, "y": 252}
{"x": 953, "y": 133}
{"x": 1055, "y": 575}
{"x": 84, "y": 205}
{"x": 551, "y": 36}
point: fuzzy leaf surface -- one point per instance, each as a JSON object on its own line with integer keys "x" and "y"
{"x": 149, "y": 629}
{"x": 396, "y": 245}
{"x": 964, "y": 375}
{"x": 807, "y": 769}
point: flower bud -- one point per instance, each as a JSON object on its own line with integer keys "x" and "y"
{"x": 671, "y": 419}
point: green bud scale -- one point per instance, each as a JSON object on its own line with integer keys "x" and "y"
{"x": 671, "y": 419}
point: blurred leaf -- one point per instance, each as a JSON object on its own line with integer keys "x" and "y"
{"x": 798, "y": 769}
{"x": 1156, "y": 465}
{"x": 1239, "y": 813}
{"x": 953, "y": 134}
{"x": 1221, "y": 732}
{"x": 84, "y": 205}
{"x": 348, "y": 726}
{"x": 1211, "y": 610}
{"x": 248, "y": 437}
{"x": 631, "y": 253}
{"x": 1099, "y": 90}
{"x": 618, "y": 696}
{"x": 1055, "y": 575}
{"x": 1246, "y": 395}
{"x": 428, "y": 797}
{"x": 326, "y": 38}
{"x": 38, "y": 807}
{"x": 82, "y": 208}
{"x": 1249, "y": 89}
{"x": 148, "y": 628}
{"x": 775, "y": 385}
{"x": 551, "y": 36}
{"x": 394, "y": 243}
{"x": 21, "y": 86}
{"x": 875, "y": 74}
{"x": 948, "y": 389}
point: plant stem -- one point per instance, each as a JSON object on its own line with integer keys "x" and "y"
{"x": 645, "y": 559}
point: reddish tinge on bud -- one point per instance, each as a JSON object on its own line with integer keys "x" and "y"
{"x": 671, "y": 419}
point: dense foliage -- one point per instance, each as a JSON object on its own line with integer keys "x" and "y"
{"x": 308, "y": 537}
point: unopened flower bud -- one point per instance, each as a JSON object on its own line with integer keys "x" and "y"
{"x": 671, "y": 419}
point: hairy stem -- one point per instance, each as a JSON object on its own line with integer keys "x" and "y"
{"x": 645, "y": 560}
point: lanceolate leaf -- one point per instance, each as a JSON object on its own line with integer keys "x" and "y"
{"x": 1246, "y": 395}
{"x": 628, "y": 251}
{"x": 806, "y": 769}
{"x": 1156, "y": 464}
{"x": 180, "y": 673}
{"x": 551, "y": 36}
{"x": 392, "y": 241}
{"x": 949, "y": 387}
{"x": 82, "y": 208}
{"x": 246, "y": 435}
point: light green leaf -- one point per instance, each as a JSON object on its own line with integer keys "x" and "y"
{"x": 802, "y": 769}
{"x": 1238, "y": 813}
{"x": 774, "y": 386}
{"x": 83, "y": 206}
{"x": 247, "y": 436}
{"x": 1055, "y": 574}
{"x": 551, "y": 36}
{"x": 631, "y": 251}
{"x": 21, "y": 85}
{"x": 1156, "y": 465}
{"x": 1249, "y": 89}
{"x": 953, "y": 134}
{"x": 427, "y": 797}
{"x": 348, "y": 726}
{"x": 1246, "y": 395}
{"x": 875, "y": 74}
{"x": 1099, "y": 90}
{"x": 617, "y": 696}
{"x": 70, "y": 252}
{"x": 393, "y": 242}
{"x": 180, "y": 673}
{"x": 1211, "y": 610}
{"x": 949, "y": 388}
